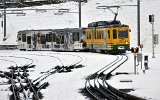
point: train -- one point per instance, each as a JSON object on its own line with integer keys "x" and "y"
{"x": 99, "y": 36}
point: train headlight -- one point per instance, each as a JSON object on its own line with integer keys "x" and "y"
{"x": 127, "y": 42}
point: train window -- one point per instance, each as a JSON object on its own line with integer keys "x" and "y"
{"x": 48, "y": 38}
{"x": 108, "y": 34}
{"x": 100, "y": 37}
{"x": 103, "y": 34}
{"x": 95, "y": 35}
{"x": 98, "y": 34}
{"x": 84, "y": 33}
{"x": 43, "y": 39}
{"x": 57, "y": 40}
{"x": 75, "y": 36}
{"x": 62, "y": 39}
{"x": 88, "y": 35}
{"x": 19, "y": 37}
{"x": 54, "y": 37}
{"x": 28, "y": 39}
{"x": 123, "y": 34}
{"x": 114, "y": 34}
{"x": 34, "y": 37}
{"x": 23, "y": 37}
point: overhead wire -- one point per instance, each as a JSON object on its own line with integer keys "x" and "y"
{"x": 74, "y": 7}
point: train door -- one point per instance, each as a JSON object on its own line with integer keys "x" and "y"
{"x": 22, "y": 45}
{"x": 34, "y": 40}
{"x": 48, "y": 45}
{"x": 77, "y": 39}
{"x": 70, "y": 40}
{"x": 114, "y": 36}
{"x": 100, "y": 39}
{"x": 89, "y": 38}
{"x": 109, "y": 39}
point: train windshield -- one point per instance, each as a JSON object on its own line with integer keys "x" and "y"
{"x": 123, "y": 33}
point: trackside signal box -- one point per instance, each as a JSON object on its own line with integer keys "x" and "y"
{"x": 139, "y": 57}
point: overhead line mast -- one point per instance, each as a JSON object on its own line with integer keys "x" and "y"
{"x": 4, "y": 20}
{"x": 138, "y": 16}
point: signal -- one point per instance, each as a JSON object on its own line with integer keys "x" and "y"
{"x": 134, "y": 50}
{"x": 151, "y": 18}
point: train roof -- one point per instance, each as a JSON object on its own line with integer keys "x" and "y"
{"x": 35, "y": 30}
{"x": 50, "y": 29}
{"x": 106, "y": 24}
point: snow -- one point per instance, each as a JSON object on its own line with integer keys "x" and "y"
{"x": 66, "y": 85}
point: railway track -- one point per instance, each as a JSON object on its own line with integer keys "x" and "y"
{"x": 24, "y": 88}
{"x": 97, "y": 86}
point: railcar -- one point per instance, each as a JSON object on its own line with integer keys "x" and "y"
{"x": 50, "y": 39}
{"x": 101, "y": 36}
{"x": 107, "y": 37}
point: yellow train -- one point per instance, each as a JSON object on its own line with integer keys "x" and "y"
{"x": 107, "y": 37}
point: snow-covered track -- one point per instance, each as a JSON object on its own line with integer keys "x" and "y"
{"x": 97, "y": 86}
{"x": 59, "y": 68}
{"x": 6, "y": 58}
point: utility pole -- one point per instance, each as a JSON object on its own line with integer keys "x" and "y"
{"x": 138, "y": 22}
{"x": 4, "y": 20}
{"x": 79, "y": 13}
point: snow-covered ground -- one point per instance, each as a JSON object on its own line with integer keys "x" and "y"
{"x": 62, "y": 85}
{"x": 67, "y": 85}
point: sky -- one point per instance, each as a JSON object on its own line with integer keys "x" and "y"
{"x": 145, "y": 85}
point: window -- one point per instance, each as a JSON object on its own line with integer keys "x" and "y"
{"x": 23, "y": 37}
{"x": 84, "y": 33}
{"x": 43, "y": 39}
{"x": 100, "y": 37}
{"x": 19, "y": 37}
{"x": 75, "y": 36}
{"x": 54, "y": 37}
{"x": 103, "y": 34}
{"x": 48, "y": 38}
{"x": 34, "y": 37}
{"x": 62, "y": 39}
{"x": 88, "y": 35}
{"x": 123, "y": 34}
{"x": 114, "y": 34}
{"x": 28, "y": 39}
{"x": 57, "y": 40}
{"x": 108, "y": 34}
{"x": 96, "y": 35}
{"x": 99, "y": 34}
